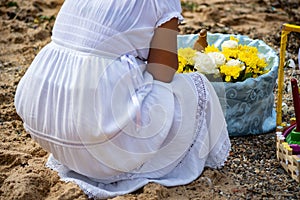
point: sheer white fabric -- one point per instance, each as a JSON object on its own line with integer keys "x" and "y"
{"x": 88, "y": 100}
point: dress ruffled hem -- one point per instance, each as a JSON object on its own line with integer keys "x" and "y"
{"x": 168, "y": 17}
{"x": 187, "y": 170}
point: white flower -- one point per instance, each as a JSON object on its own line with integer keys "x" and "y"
{"x": 218, "y": 57}
{"x": 204, "y": 64}
{"x": 234, "y": 62}
{"x": 232, "y": 44}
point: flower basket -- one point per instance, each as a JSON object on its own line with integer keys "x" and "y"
{"x": 248, "y": 105}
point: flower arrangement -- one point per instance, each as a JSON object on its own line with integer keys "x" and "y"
{"x": 233, "y": 62}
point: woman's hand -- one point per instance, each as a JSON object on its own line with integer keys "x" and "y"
{"x": 162, "y": 59}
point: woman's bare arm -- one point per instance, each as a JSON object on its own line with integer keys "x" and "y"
{"x": 163, "y": 60}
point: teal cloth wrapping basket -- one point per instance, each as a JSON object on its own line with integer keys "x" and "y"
{"x": 249, "y": 105}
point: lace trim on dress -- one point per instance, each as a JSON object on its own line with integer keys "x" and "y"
{"x": 200, "y": 114}
{"x": 202, "y": 93}
{"x": 220, "y": 154}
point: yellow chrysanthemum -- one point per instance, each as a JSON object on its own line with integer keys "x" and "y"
{"x": 262, "y": 63}
{"x": 230, "y": 53}
{"x": 211, "y": 48}
{"x": 248, "y": 70}
{"x": 188, "y": 54}
{"x": 181, "y": 64}
{"x": 249, "y": 59}
{"x": 230, "y": 72}
{"x": 186, "y": 59}
{"x": 233, "y": 38}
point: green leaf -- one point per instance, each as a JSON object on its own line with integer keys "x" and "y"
{"x": 248, "y": 75}
{"x": 12, "y": 4}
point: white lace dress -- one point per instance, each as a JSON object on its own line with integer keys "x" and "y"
{"x": 110, "y": 127}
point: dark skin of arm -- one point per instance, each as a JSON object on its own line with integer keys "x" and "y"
{"x": 162, "y": 59}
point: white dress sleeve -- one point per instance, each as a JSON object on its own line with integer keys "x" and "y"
{"x": 166, "y": 10}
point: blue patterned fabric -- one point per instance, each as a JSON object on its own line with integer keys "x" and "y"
{"x": 249, "y": 105}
